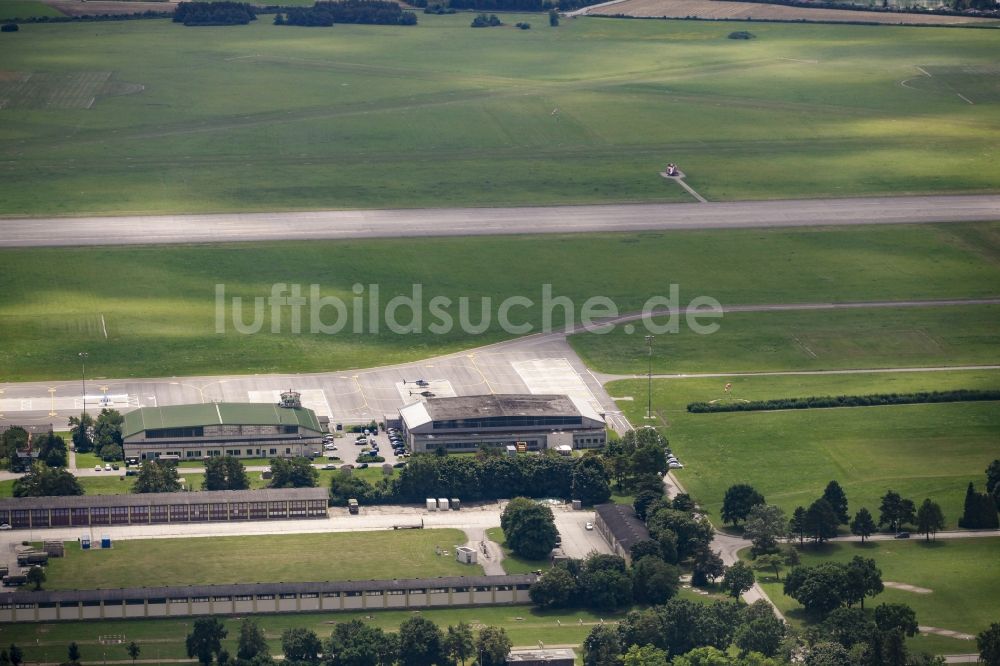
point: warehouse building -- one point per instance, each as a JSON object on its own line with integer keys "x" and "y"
{"x": 149, "y": 508}
{"x": 242, "y": 430}
{"x": 249, "y": 598}
{"x": 525, "y": 422}
{"x": 620, "y": 527}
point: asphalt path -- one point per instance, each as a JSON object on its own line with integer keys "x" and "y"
{"x": 349, "y": 224}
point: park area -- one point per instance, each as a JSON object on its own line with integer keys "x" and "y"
{"x": 152, "y": 117}
{"x": 261, "y": 558}
{"x": 920, "y": 451}
{"x": 953, "y": 584}
{"x": 151, "y": 311}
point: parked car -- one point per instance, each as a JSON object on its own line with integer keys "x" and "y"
{"x": 363, "y": 466}
{"x": 589, "y": 526}
{"x": 329, "y": 467}
{"x": 114, "y": 466}
{"x": 97, "y": 468}
{"x": 5, "y": 526}
{"x": 675, "y": 465}
{"x": 107, "y": 467}
{"x": 903, "y": 535}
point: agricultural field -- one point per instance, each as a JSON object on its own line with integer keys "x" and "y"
{"x": 20, "y": 9}
{"x": 152, "y": 117}
{"x": 959, "y": 581}
{"x": 151, "y": 311}
{"x": 260, "y": 558}
{"x": 723, "y": 10}
{"x": 919, "y": 451}
{"x": 807, "y": 340}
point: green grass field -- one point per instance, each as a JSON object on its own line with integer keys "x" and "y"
{"x": 158, "y": 303}
{"x": 149, "y": 116}
{"x": 964, "y": 576}
{"x": 263, "y": 558}
{"x": 917, "y": 450}
{"x": 815, "y": 340}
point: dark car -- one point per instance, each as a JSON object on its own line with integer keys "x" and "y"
{"x": 903, "y": 535}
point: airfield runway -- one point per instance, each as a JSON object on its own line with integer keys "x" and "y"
{"x": 351, "y": 224}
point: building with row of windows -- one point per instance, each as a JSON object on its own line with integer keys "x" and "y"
{"x": 242, "y": 430}
{"x": 467, "y": 423}
{"x": 620, "y": 527}
{"x": 150, "y": 508}
{"x": 250, "y": 598}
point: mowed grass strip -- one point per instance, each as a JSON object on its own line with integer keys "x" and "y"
{"x": 806, "y": 340}
{"x": 22, "y": 9}
{"x": 440, "y": 114}
{"x": 962, "y": 574}
{"x": 919, "y": 451}
{"x": 264, "y": 558}
{"x": 159, "y": 303}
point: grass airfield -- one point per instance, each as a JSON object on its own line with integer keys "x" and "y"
{"x": 152, "y": 117}
{"x": 919, "y": 451}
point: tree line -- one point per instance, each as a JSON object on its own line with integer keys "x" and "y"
{"x": 223, "y": 12}
{"x": 872, "y": 400}
{"x": 368, "y": 12}
{"x": 512, "y": 5}
{"x": 489, "y": 475}
{"x": 419, "y": 642}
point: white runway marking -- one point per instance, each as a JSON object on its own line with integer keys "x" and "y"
{"x": 314, "y": 399}
{"x": 555, "y": 376}
{"x": 410, "y": 392}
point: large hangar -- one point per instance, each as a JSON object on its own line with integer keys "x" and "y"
{"x": 469, "y": 423}
{"x": 254, "y": 430}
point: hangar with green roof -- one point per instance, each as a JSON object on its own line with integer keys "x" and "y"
{"x": 243, "y": 430}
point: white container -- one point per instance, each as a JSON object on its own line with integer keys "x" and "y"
{"x": 432, "y": 504}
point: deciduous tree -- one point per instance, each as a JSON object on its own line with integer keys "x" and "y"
{"x": 420, "y": 642}
{"x": 44, "y": 481}
{"x": 459, "y": 643}
{"x": 601, "y": 647}
{"x": 988, "y": 642}
{"x": 864, "y": 579}
{"x": 493, "y": 645}
{"x": 929, "y": 519}
{"x": 863, "y": 524}
{"x": 737, "y": 579}
{"x": 157, "y": 477}
{"x": 205, "y": 640}
{"x": 892, "y": 617}
{"x": 36, "y": 576}
{"x": 738, "y": 501}
{"x": 896, "y": 511}
{"x": 765, "y": 524}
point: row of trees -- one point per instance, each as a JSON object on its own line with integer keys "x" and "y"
{"x": 419, "y": 642}
{"x": 214, "y": 13}
{"x": 325, "y": 14}
{"x": 224, "y": 473}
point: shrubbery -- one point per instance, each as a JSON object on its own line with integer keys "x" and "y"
{"x": 484, "y": 21}
{"x": 214, "y": 13}
{"x": 875, "y": 399}
{"x": 9, "y": 27}
{"x": 742, "y": 34}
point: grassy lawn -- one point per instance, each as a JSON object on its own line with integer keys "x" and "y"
{"x": 816, "y": 340}
{"x": 917, "y": 450}
{"x": 115, "y": 483}
{"x": 964, "y": 576}
{"x": 158, "y": 303}
{"x": 512, "y": 563}
{"x": 263, "y": 558}
{"x": 88, "y": 460}
{"x": 164, "y": 639}
{"x": 442, "y": 115}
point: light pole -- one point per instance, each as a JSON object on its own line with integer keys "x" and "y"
{"x": 649, "y": 378}
{"x": 83, "y": 374}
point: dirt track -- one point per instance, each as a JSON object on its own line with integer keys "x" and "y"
{"x": 101, "y": 7}
{"x": 721, "y": 9}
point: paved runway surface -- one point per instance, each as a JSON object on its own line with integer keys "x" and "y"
{"x": 160, "y": 229}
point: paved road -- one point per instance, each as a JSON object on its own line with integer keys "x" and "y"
{"x": 210, "y": 228}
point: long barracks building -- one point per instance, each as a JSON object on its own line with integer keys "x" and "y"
{"x": 499, "y": 420}
{"x": 249, "y": 598}
{"x": 151, "y": 508}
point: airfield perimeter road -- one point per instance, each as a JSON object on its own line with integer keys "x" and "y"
{"x": 233, "y": 227}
